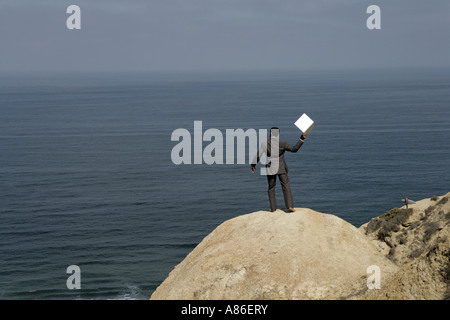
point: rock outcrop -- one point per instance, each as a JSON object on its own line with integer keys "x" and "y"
{"x": 265, "y": 255}
{"x": 312, "y": 255}
{"x": 417, "y": 239}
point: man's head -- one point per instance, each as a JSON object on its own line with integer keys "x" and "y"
{"x": 274, "y": 131}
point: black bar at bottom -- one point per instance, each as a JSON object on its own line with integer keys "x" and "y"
{"x": 220, "y": 309}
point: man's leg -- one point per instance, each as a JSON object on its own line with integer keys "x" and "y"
{"x": 287, "y": 192}
{"x": 272, "y": 180}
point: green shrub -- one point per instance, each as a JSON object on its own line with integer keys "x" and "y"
{"x": 434, "y": 198}
{"x": 442, "y": 201}
{"x": 391, "y": 214}
{"x": 373, "y": 225}
{"x": 388, "y": 222}
{"x": 403, "y": 215}
{"x": 387, "y": 227}
{"x": 397, "y": 215}
{"x": 429, "y": 209}
{"x": 430, "y": 229}
{"x": 401, "y": 239}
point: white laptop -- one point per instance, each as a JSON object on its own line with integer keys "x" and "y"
{"x": 304, "y": 123}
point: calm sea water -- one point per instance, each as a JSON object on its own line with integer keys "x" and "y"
{"x": 86, "y": 176}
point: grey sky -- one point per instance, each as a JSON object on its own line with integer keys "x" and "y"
{"x": 222, "y": 34}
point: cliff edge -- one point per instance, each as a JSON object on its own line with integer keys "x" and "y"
{"x": 417, "y": 239}
{"x": 312, "y": 255}
{"x": 265, "y": 255}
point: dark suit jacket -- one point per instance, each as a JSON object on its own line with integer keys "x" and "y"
{"x": 283, "y": 146}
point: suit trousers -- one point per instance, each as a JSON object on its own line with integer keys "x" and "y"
{"x": 285, "y": 186}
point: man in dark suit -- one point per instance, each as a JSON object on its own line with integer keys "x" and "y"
{"x": 276, "y": 166}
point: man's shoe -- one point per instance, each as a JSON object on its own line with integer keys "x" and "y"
{"x": 291, "y": 209}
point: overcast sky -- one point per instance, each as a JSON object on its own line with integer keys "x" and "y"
{"x": 147, "y": 35}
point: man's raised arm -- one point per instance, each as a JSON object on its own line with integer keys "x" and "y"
{"x": 297, "y": 145}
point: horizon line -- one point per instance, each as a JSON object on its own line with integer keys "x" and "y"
{"x": 227, "y": 70}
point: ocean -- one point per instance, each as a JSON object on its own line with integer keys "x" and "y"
{"x": 87, "y": 179}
